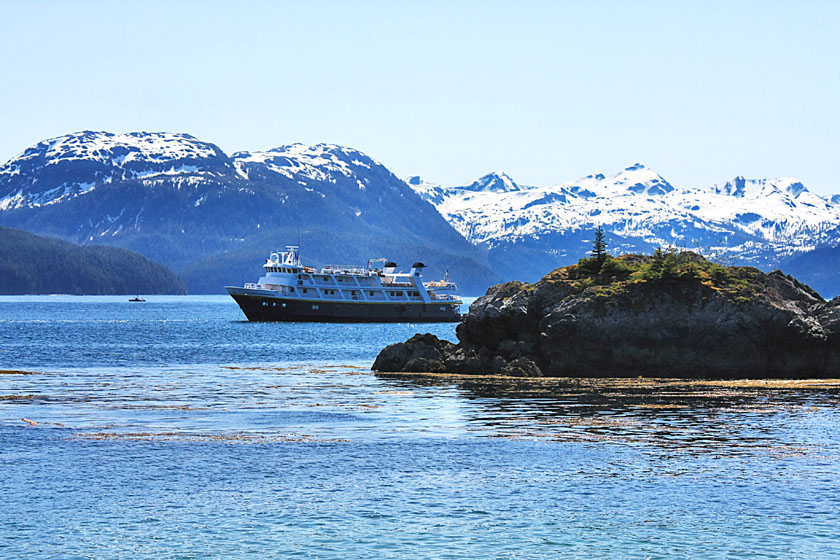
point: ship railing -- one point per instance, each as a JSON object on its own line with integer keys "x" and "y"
{"x": 443, "y": 297}
{"x": 344, "y": 269}
{"x": 440, "y": 285}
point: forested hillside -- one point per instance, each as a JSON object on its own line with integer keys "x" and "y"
{"x": 30, "y": 264}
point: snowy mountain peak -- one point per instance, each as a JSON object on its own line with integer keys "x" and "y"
{"x": 417, "y": 182}
{"x": 134, "y": 148}
{"x": 304, "y": 162}
{"x": 739, "y": 187}
{"x": 75, "y": 164}
{"x": 497, "y": 181}
{"x": 761, "y": 220}
{"x": 634, "y": 180}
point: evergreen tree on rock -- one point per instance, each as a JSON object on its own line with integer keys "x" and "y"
{"x": 599, "y": 246}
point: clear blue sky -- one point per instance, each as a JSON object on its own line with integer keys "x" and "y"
{"x": 546, "y": 91}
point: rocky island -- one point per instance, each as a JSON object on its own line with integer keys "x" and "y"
{"x": 670, "y": 314}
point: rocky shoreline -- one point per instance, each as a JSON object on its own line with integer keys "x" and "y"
{"x": 673, "y": 315}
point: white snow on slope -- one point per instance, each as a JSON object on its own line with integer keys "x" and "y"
{"x": 46, "y": 173}
{"x": 639, "y": 203}
{"x": 319, "y": 162}
{"x": 147, "y": 147}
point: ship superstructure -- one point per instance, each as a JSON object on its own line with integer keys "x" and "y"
{"x": 289, "y": 291}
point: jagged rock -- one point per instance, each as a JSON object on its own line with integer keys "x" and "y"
{"x": 696, "y": 320}
{"x": 420, "y": 353}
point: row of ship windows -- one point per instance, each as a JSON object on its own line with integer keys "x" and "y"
{"x": 354, "y": 293}
{"x": 314, "y": 306}
{"x": 285, "y": 270}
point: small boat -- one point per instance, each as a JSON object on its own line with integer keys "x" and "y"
{"x": 138, "y": 298}
{"x": 376, "y": 293}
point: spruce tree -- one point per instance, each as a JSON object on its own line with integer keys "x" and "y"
{"x": 599, "y": 246}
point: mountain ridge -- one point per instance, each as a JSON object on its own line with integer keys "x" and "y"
{"x": 762, "y": 222}
{"x": 179, "y": 200}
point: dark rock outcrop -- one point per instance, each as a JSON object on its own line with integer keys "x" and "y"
{"x": 421, "y": 352}
{"x": 696, "y": 320}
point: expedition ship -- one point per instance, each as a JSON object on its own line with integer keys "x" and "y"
{"x": 345, "y": 294}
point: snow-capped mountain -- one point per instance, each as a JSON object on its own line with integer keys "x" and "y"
{"x": 73, "y": 165}
{"x": 761, "y": 222}
{"x": 180, "y": 201}
{"x": 297, "y": 161}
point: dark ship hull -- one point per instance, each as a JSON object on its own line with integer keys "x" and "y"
{"x": 259, "y": 307}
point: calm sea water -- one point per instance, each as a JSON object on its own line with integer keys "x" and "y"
{"x": 175, "y": 429}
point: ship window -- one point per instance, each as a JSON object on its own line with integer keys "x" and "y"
{"x": 283, "y": 305}
{"x": 265, "y": 304}
{"x": 273, "y": 304}
{"x": 314, "y": 307}
{"x": 292, "y": 289}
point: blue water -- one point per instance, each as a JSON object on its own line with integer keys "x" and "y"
{"x": 174, "y": 429}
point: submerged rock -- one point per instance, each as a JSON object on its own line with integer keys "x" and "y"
{"x": 674, "y": 315}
